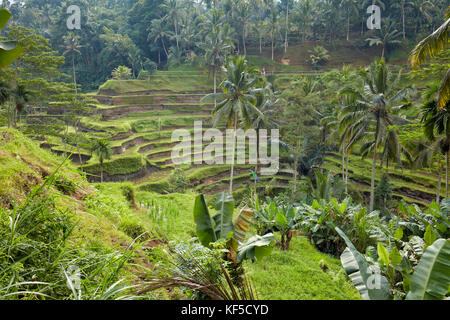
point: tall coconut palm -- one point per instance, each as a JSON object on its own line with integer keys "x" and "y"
{"x": 237, "y": 103}
{"x": 436, "y": 124}
{"x": 269, "y": 106}
{"x": 217, "y": 46}
{"x": 351, "y": 7}
{"x": 102, "y": 149}
{"x": 374, "y": 110}
{"x": 4, "y": 97}
{"x": 387, "y": 36}
{"x": 72, "y": 46}
{"x": 21, "y": 96}
{"x": 173, "y": 9}
{"x": 430, "y": 47}
{"x": 274, "y": 28}
{"x": 158, "y": 32}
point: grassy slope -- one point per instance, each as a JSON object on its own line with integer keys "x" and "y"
{"x": 296, "y": 275}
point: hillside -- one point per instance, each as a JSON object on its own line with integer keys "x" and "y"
{"x": 106, "y": 221}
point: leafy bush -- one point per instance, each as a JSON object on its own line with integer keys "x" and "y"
{"x": 121, "y": 73}
{"x": 178, "y": 181}
{"x": 319, "y": 220}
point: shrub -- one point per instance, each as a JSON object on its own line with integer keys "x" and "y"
{"x": 121, "y": 73}
{"x": 178, "y": 181}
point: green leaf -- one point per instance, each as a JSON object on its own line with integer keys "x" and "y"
{"x": 205, "y": 225}
{"x": 431, "y": 278}
{"x": 398, "y": 234}
{"x": 223, "y": 219}
{"x": 9, "y": 50}
{"x": 9, "y": 56}
{"x": 281, "y": 219}
{"x": 395, "y": 256}
{"x": 383, "y": 254}
{"x": 5, "y": 15}
{"x": 429, "y": 236}
{"x": 256, "y": 247}
{"x": 357, "y": 267}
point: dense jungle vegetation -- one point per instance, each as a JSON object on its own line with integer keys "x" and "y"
{"x": 94, "y": 207}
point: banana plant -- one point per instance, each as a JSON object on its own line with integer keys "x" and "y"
{"x": 431, "y": 279}
{"x": 211, "y": 229}
{"x": 9, "y": 50}
{"x": 366, "y": 278}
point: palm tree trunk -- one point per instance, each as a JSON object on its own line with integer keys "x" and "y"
{"x": 374, "y": 163}
{"x": 272, "y": 44}
{"x": 215, "y": 87}
{"x": 74, "y": 74}
{"x": 176, "y": 33}
{"x": 233, "y": 152}
{"x": 446, "y": 173}
{"x": 101, "y": 174}
{"x": 287, "y": 27}
{"x": 343, "y": 163}
{"x": 346, "y": 172}
{"x": 403, "y": 20}
{"x": 260, "y": 43}
{"x": 164, "y": 47}
{"x": 243, "y": 41}
{"x": 348, "y": 24}
{"x": 438, "y": 191}
{"x": 294, "y": 188}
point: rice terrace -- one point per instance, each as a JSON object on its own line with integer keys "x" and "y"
{"x": 224, "y": 150}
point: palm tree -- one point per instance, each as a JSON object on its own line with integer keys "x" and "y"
{"x": 423, "y": 9}
{"x": 436, "y": 123}
{"x": 274, "y": 28}
{"x": 72, "y": 45}
{"x": 158, "y": 32}
{"x": 373, "y": 111}
{"x": 173, "y": 8}
{"x": 387, "y": 36}
{"x": 269, "y": 106}
{"x": 242, "y": 14}
{"x": 4, "y": 97}
{"x": 102, "y": 148}
{"x": 237, "y": 102}
{"x": 351, "y": 6}
{"x": 21, "y": 97}
{"x": 217, "y": 45}
{"x": 430, "y": 47}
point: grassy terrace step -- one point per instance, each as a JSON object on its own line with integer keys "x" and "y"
{"x": 154, "y": 112}
{"x": 148, "y": 99}
{"x": 142, "y": 123}
{"x": 119, "y": 166}
{"x": 162, "y": 81}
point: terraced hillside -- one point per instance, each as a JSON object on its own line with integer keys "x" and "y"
{"x": 139, "y": 118}
{"x": 413, "y": 186}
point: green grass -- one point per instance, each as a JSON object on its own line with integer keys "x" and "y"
{"x": 160, "y": 81}
{"x": 121, "y": 165}
{"x": 296, "y": 275}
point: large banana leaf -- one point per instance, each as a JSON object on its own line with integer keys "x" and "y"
{"x": 205, "y": 225}
{"x": 256, "y": 247}
{"x": 431, "y": 280}
{"x": 224, "y": 218}
{"x": 371, "y": 286}
{"x": 210, "y": 229}
{"x": 242, "y": 223}
{"x": 9, "y": 50}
